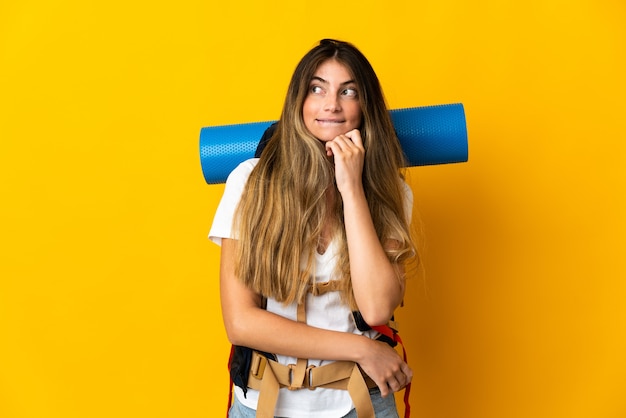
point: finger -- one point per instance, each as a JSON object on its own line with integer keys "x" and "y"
{"x": 395, "y": 385}
{"x": 333, "y": 148}
{"x": 355, "y": 137}
{"x": 342, "y": 142}
{"x": 404, "y": 380}
{"x": 338, "y": 146}
{"x": 384, "y": 390}
{"x": 408, "y": 372}
{"x": 407, "y": 375}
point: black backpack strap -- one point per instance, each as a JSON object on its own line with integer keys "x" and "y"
{"x": 264, "y": 139}
{"x": 389, "y": 336}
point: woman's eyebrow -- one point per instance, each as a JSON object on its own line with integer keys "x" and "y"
{"x": 321, "y": 80}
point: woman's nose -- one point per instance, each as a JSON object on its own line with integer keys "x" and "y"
{"x": 332, "y": 103}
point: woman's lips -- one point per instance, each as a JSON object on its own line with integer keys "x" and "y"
{"x": 330, "y": 121}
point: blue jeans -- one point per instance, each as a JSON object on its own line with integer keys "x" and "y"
{"x": 383, "y": 407}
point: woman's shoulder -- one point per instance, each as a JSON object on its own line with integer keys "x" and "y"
{"x": 408, "y": 200}
{"x": 406, "y": 188}
{"x": 242, "y": 171}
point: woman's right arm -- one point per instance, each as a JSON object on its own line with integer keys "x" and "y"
{"x": 248, "y": 324}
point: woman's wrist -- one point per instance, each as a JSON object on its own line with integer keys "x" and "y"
{"x": 359, "y": 350}
{"x": 352, "y": 193}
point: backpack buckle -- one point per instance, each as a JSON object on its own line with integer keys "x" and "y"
{"x": 257, "y": 366}
{"x": 298, "y": 376}
{"x": 308, "y": 378}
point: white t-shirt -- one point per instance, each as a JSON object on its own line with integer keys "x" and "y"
{"x": 324, "y": 311}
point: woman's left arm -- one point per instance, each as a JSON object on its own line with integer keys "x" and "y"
{"x": 378, "y": 284}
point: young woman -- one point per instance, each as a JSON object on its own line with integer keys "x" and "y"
{"x": 314, "y": 237}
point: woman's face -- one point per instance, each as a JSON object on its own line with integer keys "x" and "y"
{"x": 331, "y": 107}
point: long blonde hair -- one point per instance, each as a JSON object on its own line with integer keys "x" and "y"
{"x": 283, "y": 207}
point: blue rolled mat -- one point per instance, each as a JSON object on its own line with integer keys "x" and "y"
{"x": 429, "y": 135}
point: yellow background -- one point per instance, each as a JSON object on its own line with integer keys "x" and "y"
{"x": 108, "y": 286}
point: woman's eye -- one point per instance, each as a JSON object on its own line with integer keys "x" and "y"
{"x": 316, "y": 90}
{"x": 350, "y": 92}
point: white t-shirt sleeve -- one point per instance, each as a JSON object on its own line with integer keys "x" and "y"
{"x": 222, "y": 226}
{"x": 408, "y": 202}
